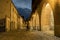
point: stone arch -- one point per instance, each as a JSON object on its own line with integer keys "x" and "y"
{"x": 34, "y": 21}
{"x": 47, "y": 19}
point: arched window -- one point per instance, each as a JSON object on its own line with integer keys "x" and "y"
{"x": 47, "y": 19}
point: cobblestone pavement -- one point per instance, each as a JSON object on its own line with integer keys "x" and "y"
{"x": 26, "y": 35}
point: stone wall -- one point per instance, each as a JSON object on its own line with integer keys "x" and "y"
{"x": 34, "y": 21}
{"x": 4, "y": 8}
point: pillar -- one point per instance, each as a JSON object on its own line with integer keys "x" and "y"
{"x": 57, "y": 20}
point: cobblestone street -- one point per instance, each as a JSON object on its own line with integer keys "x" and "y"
{"x": 26, "y": 35}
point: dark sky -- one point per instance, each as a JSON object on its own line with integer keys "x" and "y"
{"x": 23, "y": 3}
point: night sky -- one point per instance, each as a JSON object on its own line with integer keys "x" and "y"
{"x": 23, "y": 4}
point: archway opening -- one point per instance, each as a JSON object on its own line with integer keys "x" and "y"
{"x": 47, "y": 19}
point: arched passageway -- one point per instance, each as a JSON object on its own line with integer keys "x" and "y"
{"x": 47, "y": 19}
{"x": 34, "y": 22}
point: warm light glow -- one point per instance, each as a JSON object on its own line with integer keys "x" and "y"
{"x": 47, "y": 5}
{"x": 58, "y": 2}
{"x": 34, "y": 22}
{"x": 47, "y": 19}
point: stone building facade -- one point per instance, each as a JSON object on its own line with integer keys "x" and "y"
{"x": 34, "y": 21}
{"x": 9, "y": 16}
{"x": 21, "y": 23}
{"x": 5, "y": 14}
{"x": 45, "y": 19}
{"x": 9, "y": 13}
{"x": 14, "y": 17}
{"x": 45, "y": 15}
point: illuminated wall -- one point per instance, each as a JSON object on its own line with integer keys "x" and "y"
{"x": 9, "y": 12}
{"x": 14, "y": 14}
{"x": 7, "y": 26}
{"x": 4, "y": 8}
{"x": 47, "y": 19}
{"x": 5, "y": 12}
{"x": 21, "y": 23}
{"x": 34, "y": 22}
